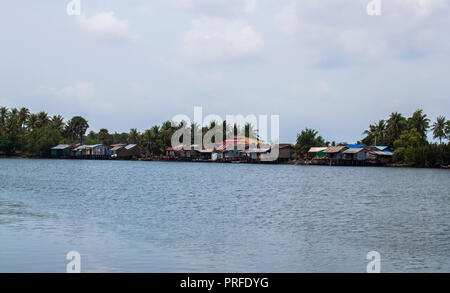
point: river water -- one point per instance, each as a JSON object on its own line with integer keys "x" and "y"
{"x": 127, "y": 216}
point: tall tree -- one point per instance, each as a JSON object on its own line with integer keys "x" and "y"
{"x": 438, "y": 128}
{"x": 375, "y": 134}
{"x": 104, "y": 137}
{"x": 306, "y": 139}
{"x": 42, "y": 119}
{"x": 420, "y": 122}
{"x": 24, "y": 113}
{"x": 57, "y": 122}
{"x": 77, "y": 127}
{"x": 396, "y": 124}
{"x": 32, "y": 121}
{"x": 133, "y": 137}
{"x": 447, "y": 129}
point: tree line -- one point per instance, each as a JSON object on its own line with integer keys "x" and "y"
{"x": 407, "y": 136}
{"x": 34, "y": 134}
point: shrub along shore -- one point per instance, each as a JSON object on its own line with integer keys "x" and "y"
{"x": 25, "y": 134}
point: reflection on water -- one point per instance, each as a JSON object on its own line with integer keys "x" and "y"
{"x": 200, "y": 217}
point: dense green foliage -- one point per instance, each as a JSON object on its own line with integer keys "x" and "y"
{"x": 33, "y": 134}
{"x": 406, "y": 136}
{"x": 22, "y": 132}
{"x": 306, "y": 139}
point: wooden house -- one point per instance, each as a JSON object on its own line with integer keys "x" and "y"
{"x": 61, "y": 150}
{"x": 358, "y": 154}
{"x": 335, "y": 152}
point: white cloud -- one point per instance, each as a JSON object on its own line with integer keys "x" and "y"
{"x": 107, "y": 26}
{"x": 80, "y": 92}
{"x": 249, "y": 6}
{"x": 331, "y": 33}
{"x": 217, "y": 7}
{"x": 287, "y": 20}
{"x": 212, "y": 39}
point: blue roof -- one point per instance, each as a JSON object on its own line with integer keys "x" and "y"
{"x": 355, "y": 146}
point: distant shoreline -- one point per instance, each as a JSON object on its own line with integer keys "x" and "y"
{"x": 293, "y": 162}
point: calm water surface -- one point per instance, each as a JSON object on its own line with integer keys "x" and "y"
{"x": 202, "y": 217}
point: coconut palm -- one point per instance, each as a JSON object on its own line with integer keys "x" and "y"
{"x": 133, "y": 137}
{"x": 42, "y": 119}
{"x": 24, "y": 113}
{"x": 57, "y": 122}
{"x": 447, "y": 130}
{"x": 438, "y": 128}
{"x": 3, "y": 117}
{"x": 250, "y": 131}
{"x": 380, "y": 129}
{"x": 103, "y": 136}
{"x": 396, "y": 124}
{"x": 420, "y": 122}
{"x": 31, "y": 122}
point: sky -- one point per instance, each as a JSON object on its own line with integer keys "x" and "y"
{"x": 322, "y": 64}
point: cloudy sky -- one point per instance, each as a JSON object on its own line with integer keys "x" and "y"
{"x": 323, "y": 64}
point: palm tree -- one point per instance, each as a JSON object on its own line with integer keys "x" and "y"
{"x": 147, "y": 140}
{"x": 42, "y": 119}
{"x": 380, "y": 129}
{"x": 77, "y": 127}
{"x": 396, "y": 124}
{"x": 57, "y": 122}
{"x": 447, "y": 130}
{"x": 32, "y": 121}
{"x": 439, "y": 128}
{"x": 250, "y": 131}
{"x": 420, "y": 122}
{"x": 3, "y": 117}
{"x": 24, "y": 113}
{"x": 133, "y": 136}
{"x": 103, "y": 136}
{"x": 376, "y": 133}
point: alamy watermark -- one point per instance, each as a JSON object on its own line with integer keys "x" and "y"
{"x": 374, "y": 8}
{"x": 182, "y": 138}
{"x": 74, "y": 265}
{"x": 73, "y": 8}
{"x": 374, "y": 265}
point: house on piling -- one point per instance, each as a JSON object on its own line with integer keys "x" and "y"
{"x": 97, "y": 150}
{"x": 317, "y": 152}
{"x": 354, "y": 154}
{"x": 285, "y": 152}
{"x": 255, "y": 154}
{"x": 118, "y": 151}
{"x": 61, "y": 150}
{"x": 134, "y": 151}
{"x": 335, "y": 152}
{"x": 380, "y": 157}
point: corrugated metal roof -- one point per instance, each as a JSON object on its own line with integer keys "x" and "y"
{"x": 81, "y": 147}
{"x": 351, "y": 146}
{"x": 381, "y": 147}
{"x": 380, "y": 153}
{"x": 353, "y": 150}
{"x": 116, "y": 148}
{"x": 260, "y": 150}
{"x": 61, "y": 147}
{"x": 130, "y": 146}
{"x": 334, "y": 149}
{"x": 317, "y": 149}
